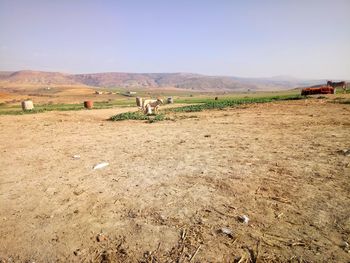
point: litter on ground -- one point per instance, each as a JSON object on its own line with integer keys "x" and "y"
{"x": 100, "y": 165}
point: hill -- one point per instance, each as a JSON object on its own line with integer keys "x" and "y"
{"x": 187, "y": 81}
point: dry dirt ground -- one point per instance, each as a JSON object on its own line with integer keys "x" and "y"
{"x": 173, "y": 188}
{"x": 13, "y": 96}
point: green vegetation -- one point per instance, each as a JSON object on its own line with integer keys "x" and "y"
{"x": 137, "y": 115}
{"x": 225, "y": 103}
{"x": 341, "y": 91}
{"x": 17, "y": 110}
{"x": 204, "y": 98}
{"x": 201, "y": 102}
{"x": 208, "y": 105}
{"x": 122, "y": 101}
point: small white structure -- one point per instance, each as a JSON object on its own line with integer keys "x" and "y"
{"x": 27, "y": 105}
{"x": 131, "y": 92}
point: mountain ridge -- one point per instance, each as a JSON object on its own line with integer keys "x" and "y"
{"x": 181, "y": 80}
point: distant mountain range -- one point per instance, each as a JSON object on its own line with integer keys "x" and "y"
{"x": 187, "y": 81}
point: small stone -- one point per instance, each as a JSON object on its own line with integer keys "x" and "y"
{"x": 51, "y": 191}
{"x": 101, "y": 237}
{"x": 345, "y": 245}
{"x": 78, "y": 192}
{"x": 226, "y": 231}
{"x": 77, "y": 252}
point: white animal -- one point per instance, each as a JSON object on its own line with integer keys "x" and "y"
{"x": 148, "y": 105}
{"x": 148, "y": 109}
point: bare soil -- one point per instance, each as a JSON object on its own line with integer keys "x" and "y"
{"x": 40, "y": 95}
{"x": 173, "y": 188}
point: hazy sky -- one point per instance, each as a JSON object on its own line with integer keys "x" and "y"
{"x": 301, "y": 38}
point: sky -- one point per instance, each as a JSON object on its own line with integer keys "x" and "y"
{"x": 262, "y": 38}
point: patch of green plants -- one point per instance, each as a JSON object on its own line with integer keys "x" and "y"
{"x": 137, "y": 115}
{"x": 20, "y": 112}
{"x": 225, "y": 103}
{"x": 208, "y": 105}
{"x": 193, "y": 100}
{"x": 129, "y": 116}
{"x": 41, "y": 108}
{"x": 17, "y": 110}
{"x": 158, "y": 117}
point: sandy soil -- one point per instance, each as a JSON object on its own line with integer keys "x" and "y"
{"x": 171, "y": 187}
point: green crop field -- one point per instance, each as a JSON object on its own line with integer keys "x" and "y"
{"x": 221, "y": 104}
{"x": 208, "y": 104}
{"x": 125, "y": 101}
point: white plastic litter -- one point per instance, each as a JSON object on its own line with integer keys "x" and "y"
{"x": 100, "y": 165}
{"x": 226, "y": 231}
{"x": 244, "y": 219}
{"x": 76, "y": 156}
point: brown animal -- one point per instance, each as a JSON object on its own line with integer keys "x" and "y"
{"x": 320, "y": 90}
{"x": 340, "y": 84}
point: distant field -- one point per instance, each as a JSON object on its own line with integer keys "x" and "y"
{"x": 17, "y": 110}
{"x": 208, "y": 104}
{"x": 119, "y": 100}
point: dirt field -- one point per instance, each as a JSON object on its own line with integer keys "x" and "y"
{"x": 74, "y": 94}
{"x": 172, "y": 188}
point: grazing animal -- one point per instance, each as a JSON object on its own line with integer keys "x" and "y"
{"x": 148, "y": 105}
{"x": 148, "y": 109}
{"x": 340, "y": 84}
{"x": 320, "y": 90}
